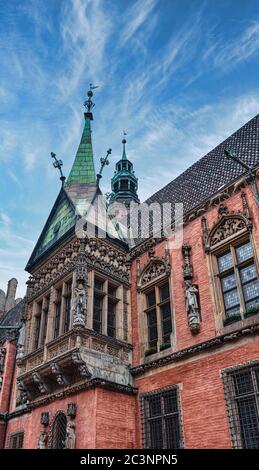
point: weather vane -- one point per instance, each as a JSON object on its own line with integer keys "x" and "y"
{"x": 88, "y": 104}
{"x": 104, "y": 161}
{"x": 58, "y": 164}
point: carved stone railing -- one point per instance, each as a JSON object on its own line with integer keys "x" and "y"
{"x": 76, "y": 337}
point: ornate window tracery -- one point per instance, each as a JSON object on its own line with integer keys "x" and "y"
{"x": 58, "y": 432}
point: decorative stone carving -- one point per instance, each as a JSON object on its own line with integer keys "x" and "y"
{"x": 79, "y": 316}
{"x": 2, "y": 362}
{"x": 228, "y": 224}
{"x": 191, "y": 292}
{"x": 24, "y": 392}
{"x": 44, "y": 419}
{"x": 55, "y": 369}
{"x": 70, "y": 442}
{"x": 42, "y": 441}
{"x": 80, "y": 364}
{"x": 192, "y": 307}
{"x": 21, "y": 341}
{"x": 156, "y": 268}
{"x": 71, "y": 410}
{"x": 187, "y": 267}
{"x": 38, "y": 380}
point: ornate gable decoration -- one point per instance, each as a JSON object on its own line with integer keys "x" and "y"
{"x": 227, "y": 225}
{"x": 156, "y": 269}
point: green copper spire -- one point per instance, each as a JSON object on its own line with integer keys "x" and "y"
{"x": 82, "y": 171}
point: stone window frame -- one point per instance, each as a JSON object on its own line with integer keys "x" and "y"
{"x": 16, "y": 435}
{"x": 230, "y": 244}
{"x": 118, "y": 301}
{"x": 231, "y": 398}
{"x": 40, "y": 321}
{"x": 144, "y": 413}
{"x": 157, "y": 306}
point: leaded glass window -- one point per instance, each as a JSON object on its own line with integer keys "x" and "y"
{"x": 239, "y": 281}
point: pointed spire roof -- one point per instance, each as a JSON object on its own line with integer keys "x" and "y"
{"x": 82, "y": 171}
{"x": 124, "y": 156}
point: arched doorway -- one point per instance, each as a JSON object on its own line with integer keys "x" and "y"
{"x": 58, "y": 432}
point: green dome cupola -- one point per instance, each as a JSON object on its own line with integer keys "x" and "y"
{"x": 124, "y": 183}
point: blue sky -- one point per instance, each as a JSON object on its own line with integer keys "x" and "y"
{"x": 178, "y": 75}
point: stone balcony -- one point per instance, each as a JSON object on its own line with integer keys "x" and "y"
{"x": 77, "y": 357}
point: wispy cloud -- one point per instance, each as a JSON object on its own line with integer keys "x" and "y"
{"x": 135, "y": 18}
{"x": 238, "y": 49}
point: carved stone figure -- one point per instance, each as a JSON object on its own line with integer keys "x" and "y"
{"x": 192, "y": 307}
{"x": 80, "y": 305}
{"x": 70, "y": 442}
{"x": 42, "y": 442}
{"x": 21, "y": 342}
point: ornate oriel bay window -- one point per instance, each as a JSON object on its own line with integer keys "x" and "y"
{"x": 241, "y": 386}
{"x": 161, "y": 420}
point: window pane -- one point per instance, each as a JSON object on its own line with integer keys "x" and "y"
{"x": 156, "y": 434}
{"x": 164, "y": 292}
{"x": 151, "y": 298}
{"x": 112, "y": 290}
{"x": 251, "y": 290}
{"x": 155, "y": 406}
{"x": 248, "y": 273}
{"x": 97, "y": 314}
{"x": 170, "y": 402}
{"x": 172, "y": 432}
{"x": 233, "y": 311}
{"x": 225, "y": 262}
{"x": 152, "y": 329}
{"x": 244, "y": 252}
{"x": 231, "y": 299}
{"x": 228, "y": 282}
{"x": 252, "y": 304}
{"x": 243, "y": 382}
{"x": 249, "y": 422}
{"x": 98, "y": 284}
{"x": 166, "y": 322}
{"x": 111, "y": 319}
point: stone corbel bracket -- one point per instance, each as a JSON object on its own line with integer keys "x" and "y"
{"x": 39, "y": 382}
{"x": 80, "y": 364}
{"x": 57, "y": 372}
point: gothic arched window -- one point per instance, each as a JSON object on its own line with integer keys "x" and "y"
{"x": 58, "y": 431}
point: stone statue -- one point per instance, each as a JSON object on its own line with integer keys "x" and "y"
{"x": 42, "y": 441}
{"x": 80, "y": 305}
{"x": 70, "y": 442}
{"x": 192, "y": 307}
{"x": 21, "y": 342}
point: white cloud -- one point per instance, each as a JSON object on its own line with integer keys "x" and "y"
{"x": 135, "y": 19}
{"x": 238, "y": 49}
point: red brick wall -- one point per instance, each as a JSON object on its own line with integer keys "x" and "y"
{"x": 203, "y": 405}
{"x": 104, "y": 419}
{"x": 193, "y": 236}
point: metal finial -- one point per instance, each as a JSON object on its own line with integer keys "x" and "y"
{"x": 104, "y": 161}
{"x": 88, "y": 104}
{"x": 58, "y": 164}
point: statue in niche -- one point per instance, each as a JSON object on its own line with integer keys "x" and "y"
{"x": 42, "y": 441}
{"x": 192, "y": 307}
{"x": 80, "y": 305}
{"x": 70, "y": 442}
{"x": 21, "y": 342}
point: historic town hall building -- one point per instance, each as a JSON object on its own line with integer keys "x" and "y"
{"x": 150, "y": 344}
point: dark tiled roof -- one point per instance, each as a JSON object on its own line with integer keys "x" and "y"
{"x": 12, "y": 317}
{"x": 214, "y": 170}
